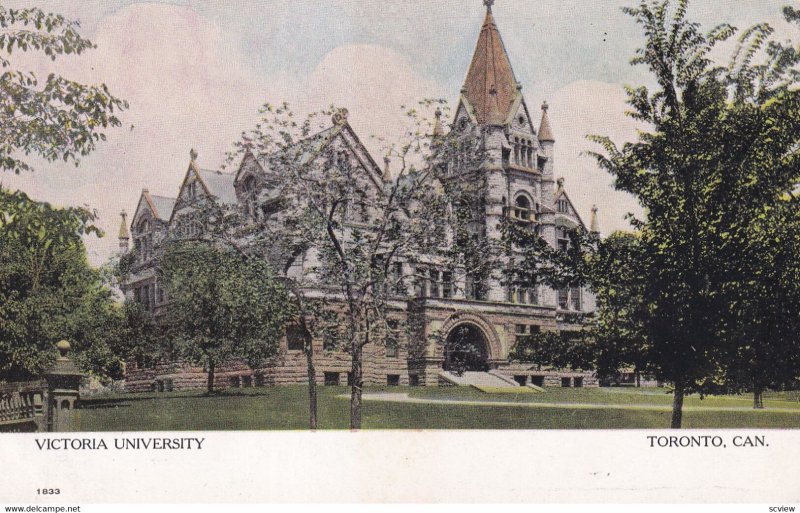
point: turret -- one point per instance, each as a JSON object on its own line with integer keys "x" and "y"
{"x": 124, "y": 235}
{"x": 594, "y": 225}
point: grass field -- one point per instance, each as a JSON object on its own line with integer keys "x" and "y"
{"x": 432, "y": 408}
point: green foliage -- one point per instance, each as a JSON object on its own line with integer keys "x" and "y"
{"x": 48, "y": 291}
{"x": 559, "y": 349}
{"x": 222, "y": 305}
{"x": 719, "y": 152}
{"x": 55, "y": 118}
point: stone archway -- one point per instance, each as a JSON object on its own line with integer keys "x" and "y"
{"x": 466, "y": 349}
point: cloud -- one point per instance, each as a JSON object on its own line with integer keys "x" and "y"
{"x": 187, "y": 87}
{"x": 373, "y": 82}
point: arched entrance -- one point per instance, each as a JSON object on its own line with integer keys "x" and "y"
{"x": 465, "y": 350}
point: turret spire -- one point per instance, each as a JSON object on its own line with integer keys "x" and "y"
{"x": 490, "y": 87}
{"x": 387, "y": 172}
{"x": 594, "y": 226}
{"x": 438, "y": 130}
{"x": 545, "y": 130}
{"x": 124, "y": 235}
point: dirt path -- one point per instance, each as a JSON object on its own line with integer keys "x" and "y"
{"x": 405, "y": 398}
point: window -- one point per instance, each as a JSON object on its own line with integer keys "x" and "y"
{"x": 249, "y": 188}
{"x": 578, "y": 382}
{"x": 392, "y": 341}
{"x": 295, "y": 341}
{"x": 522, "y": 208}
{"x": 473, "y": 289}
{"x": 562, "y": 238}
{"x": 522, "y": 380}
{"x": 434, "y": 283}
{"x": 565, "y": 382}
{"x": 397, "y": 278}
{"x": 562, "y": 206}
{"x": 328, "y": 342}
{"x": 575, "y": 297}
{"x": 393, "y": 380}
{"x": 537, "y": 380}
{"x": 520, "y": 329}
{"x": 447, "y": 285}
{"x": 413, "y": 380}
{"x": 331, "y": 379}
{"x": 563, "y": 298}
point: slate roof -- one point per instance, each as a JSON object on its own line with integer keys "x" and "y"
{"x": 163, "y": 206}
{"x": 545, "y": 130}
{"x": 219, "y": 184}
{"x": 491, "y": 87}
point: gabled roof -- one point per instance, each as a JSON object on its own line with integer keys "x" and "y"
{"x": 315, "y": 144}
{"x": 560, "y": 192}
{"x": 490, "y": 87}
{"x": 218, "y": 184}
{"x": 163, "y": 206}
{"x": 160, "y": 206}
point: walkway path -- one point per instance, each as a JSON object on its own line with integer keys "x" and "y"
{"x": 405, "y": 398}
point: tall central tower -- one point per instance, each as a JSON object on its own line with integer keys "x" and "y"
{"x": 520, "y": 171}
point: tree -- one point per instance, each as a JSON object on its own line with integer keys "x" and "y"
{"x": 617, "y": 280}
{"x": 330, "y": 207}
{"x": 222, "y": 306}
{"x": 715, "y": 152}
{"x": 55, "y": 118}
{"x": 48, "y": 291}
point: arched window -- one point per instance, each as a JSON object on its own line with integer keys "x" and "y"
{"x": 522, "y": 208}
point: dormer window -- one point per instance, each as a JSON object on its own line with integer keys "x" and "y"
{"x": 249, "y": 187}
{"x": 562, "y": 206}
{"x": 143, "y": 240}
{"x": 191, "y": 190}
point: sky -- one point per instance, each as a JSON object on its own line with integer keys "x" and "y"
{"x": 196, "y": 72}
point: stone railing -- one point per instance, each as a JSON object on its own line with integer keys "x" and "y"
{"x": 45, "y": 405}
{"x": 22, "y": 407}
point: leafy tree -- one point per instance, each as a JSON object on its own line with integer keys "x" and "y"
{"x": 716, "y": 151}
{"x": 48, "y": 291}
{"x": 222, "y": 305}
{"x": 54, "y": 118}
{"x": 618, "y": 282}
{"x": 765, "y": 315}
{"x": 352, "y": 223}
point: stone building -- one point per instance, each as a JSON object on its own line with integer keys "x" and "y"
{"x": 522, "y": 183}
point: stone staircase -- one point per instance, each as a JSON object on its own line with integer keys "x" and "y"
{"x": 478, "y": 380}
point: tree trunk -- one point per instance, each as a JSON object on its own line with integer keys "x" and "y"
{"x": 758, "y": 397}
{"x": 638, "y": 378}
{"x": 210, "y": 383}
{"x": 312, "y": 376}
{"x": 677, "y": 406}
{"x": 357, "y": 383}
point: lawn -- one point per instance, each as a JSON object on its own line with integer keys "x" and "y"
{"x": 432, "y": 408}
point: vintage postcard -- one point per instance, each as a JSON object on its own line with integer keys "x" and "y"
{"x": 461, "y": 251}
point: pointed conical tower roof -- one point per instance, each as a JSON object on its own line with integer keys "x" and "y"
{"x": 490, "y": 86}
{"x": 545, "y": 130}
